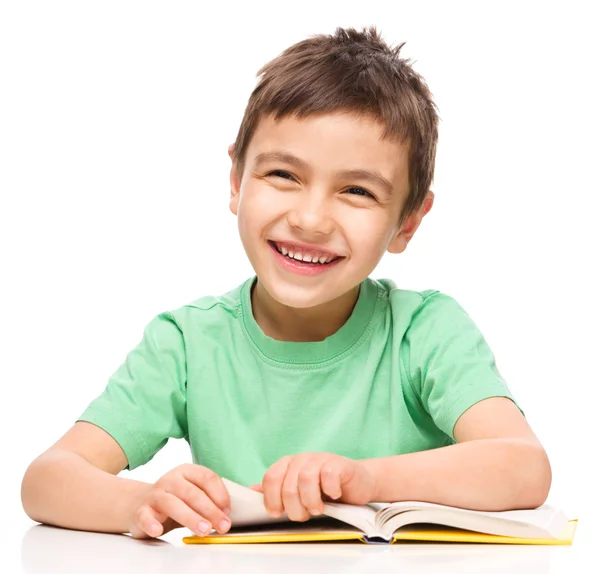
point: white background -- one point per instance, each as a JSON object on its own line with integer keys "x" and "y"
{"x": 114, "y": 123}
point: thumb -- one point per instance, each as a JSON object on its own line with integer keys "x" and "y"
{"x": 147, "y": 523}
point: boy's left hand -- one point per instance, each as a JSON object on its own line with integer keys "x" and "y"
{"x": 295, "y": 484}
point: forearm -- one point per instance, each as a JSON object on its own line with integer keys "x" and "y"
{"x": 487, "y": 474}
{"x": 63, "y": 489}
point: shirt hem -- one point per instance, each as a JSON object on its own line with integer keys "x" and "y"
{"x": 134, "y": 447}
{"x": 453, "y": 413}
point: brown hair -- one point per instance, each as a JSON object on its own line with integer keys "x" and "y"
{"x": 356, "y": 72}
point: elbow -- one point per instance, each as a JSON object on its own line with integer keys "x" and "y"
{"x": 30, "y": 491}
{"x": 26, "y": 495}
{"x": 545, "y": 478}
{"x": 536, "y": 480}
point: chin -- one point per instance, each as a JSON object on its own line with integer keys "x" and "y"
{"x": 296, "y": 296}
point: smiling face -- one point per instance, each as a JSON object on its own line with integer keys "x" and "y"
{"x": 319, "y": 203}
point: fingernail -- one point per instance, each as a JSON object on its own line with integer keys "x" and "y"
{"x": 154, "y": 528}
{"x": 315, "y": 511}
{"x": 224, "y": 525}
{"x": 204, "y": 527}
{"x": 275, "y": 513}
{"x": 227, "y": 511}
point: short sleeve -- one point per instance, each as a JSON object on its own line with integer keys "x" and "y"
{"x": 450, "y": 364}
{"x": 144, "y": 402}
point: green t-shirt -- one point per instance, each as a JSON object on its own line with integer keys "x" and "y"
{"x": 393, "y": 379}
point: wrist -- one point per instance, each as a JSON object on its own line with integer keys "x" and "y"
{"x": 392, "y": 478}
{"x": 372, "y": 469}
{"x": 135, "y": 494}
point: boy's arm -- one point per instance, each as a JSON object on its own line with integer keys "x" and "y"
{"x": 73, "y": 483}
{"x": 497, "y": 464}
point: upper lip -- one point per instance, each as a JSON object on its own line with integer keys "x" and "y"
{"x": 304, "y": 247}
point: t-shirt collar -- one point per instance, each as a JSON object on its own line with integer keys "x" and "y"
{"x": 349, "y": 334}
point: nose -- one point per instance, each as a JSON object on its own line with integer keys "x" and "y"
{"x": 311, "y": 214}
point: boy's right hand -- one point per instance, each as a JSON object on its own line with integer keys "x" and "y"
{"x": 190, "y": 495}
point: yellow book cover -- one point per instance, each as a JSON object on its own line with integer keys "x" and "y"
{"x": 387, "y": 523}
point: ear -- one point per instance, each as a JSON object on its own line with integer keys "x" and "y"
{"x": 234, "y": 183}
{"x": 409, "y": 227}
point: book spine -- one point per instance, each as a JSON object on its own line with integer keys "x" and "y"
{"x": 376, "y": 540}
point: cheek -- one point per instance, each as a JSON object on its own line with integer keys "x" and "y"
{"x": 258, "y": 207}
{"x": 368, "y": 234}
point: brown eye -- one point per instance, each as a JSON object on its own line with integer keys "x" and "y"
{"x": 360, "y": 191}
{"x": 280, "y": 173}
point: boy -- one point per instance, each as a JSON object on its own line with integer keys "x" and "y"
{"x": 310, "y": 381}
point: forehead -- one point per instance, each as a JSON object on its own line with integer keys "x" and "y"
{"x": 332, "y": 142}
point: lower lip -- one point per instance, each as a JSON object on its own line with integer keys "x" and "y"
{"x": 300, "y": 268}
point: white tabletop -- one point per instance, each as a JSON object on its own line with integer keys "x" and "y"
{"x": 37, "y": 549}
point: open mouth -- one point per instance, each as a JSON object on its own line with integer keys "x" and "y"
{"x": 309, "y": 258}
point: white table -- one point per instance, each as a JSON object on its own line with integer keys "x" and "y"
{"x": 37, "y": 549}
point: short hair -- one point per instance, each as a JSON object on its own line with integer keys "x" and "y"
{"x": 357, "y": 72}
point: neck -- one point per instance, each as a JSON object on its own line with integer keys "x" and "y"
{"x": 312, "y": 324}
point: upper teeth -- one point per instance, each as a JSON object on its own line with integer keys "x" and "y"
{"x": 300, "y": 256}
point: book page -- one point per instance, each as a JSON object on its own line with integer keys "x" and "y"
{"x": 248, "y": 506}
{"x": 387, "y": 510}
{"x": 543, "y": 522}
{"x": 362, "y": 517}
{"x": 248, "y": 509}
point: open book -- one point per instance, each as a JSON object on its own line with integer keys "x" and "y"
{"x": 386, "y": 523}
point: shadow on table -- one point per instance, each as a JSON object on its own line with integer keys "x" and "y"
{"x": 46, "y": 549}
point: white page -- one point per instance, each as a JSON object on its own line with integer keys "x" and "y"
{"x": 248, "y": 506}
{"x": 546, "y": 517}
{"x": 248, "y": 509}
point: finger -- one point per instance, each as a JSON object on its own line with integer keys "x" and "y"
{"x": 148, "y": 522}
{"x": 179, "y": 511}
{"x": 331, "y": 481}
{"x": 257, "y": 487}
{"x": 291, "y": 496}
{"x": 199, "y": 501}
{"x": 210, "y": 482}
{"x": 309, "y": 487}
{"x": 272, "y": 483}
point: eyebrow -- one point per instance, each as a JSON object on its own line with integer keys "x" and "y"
{"x": 362, "y": 174}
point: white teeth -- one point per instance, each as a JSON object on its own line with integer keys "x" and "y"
{"x": 298, "y": 256}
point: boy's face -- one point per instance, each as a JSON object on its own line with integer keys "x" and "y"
{"x": 325, "y": 188}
